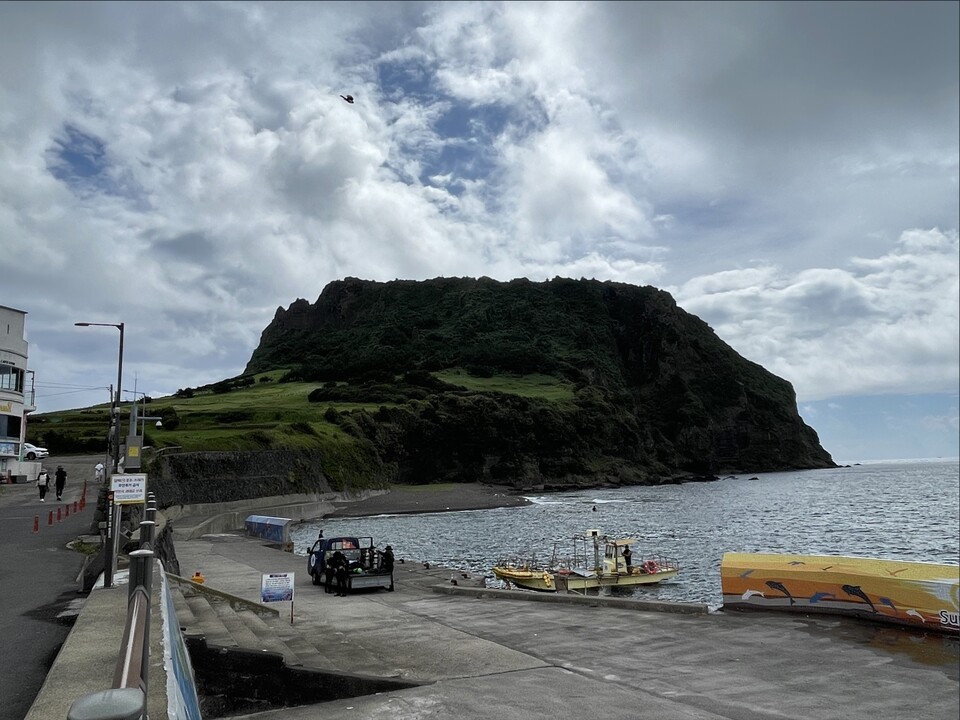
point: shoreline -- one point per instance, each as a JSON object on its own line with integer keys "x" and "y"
{"x": 413, "y": 499}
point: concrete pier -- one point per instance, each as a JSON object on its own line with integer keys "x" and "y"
{"x": 473, "y": 653}
{"x": 493, "y": 653}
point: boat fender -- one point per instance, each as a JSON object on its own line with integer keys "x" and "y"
{"x": 547, "y": 579}
{"x": 651, "y": 567}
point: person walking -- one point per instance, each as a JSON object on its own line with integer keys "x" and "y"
{"x": 98, "y": 472}
{"x": 43, "y": 483}
{"x": 61, "y": 480}
{"x": 386, "y": 562}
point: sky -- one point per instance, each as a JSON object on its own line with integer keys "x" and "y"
{"x": 787, "y": 171}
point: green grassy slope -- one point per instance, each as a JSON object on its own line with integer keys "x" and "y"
{"x": 266, "y": 414}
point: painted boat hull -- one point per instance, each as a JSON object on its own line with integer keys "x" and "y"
{"x": 540, "y": 580}
{"x": 547, "y": 581}
{"x": 578, "y": 582}
{"x": 920, "y": 595}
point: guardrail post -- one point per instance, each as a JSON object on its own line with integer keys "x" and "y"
{"x": 114, "y": 704}
{"x": 148, "y": 534}
{"x": 142, "y": 560}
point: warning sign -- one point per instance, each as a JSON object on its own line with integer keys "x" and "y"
{"x": 129, "y": 489}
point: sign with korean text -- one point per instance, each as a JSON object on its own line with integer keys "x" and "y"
{"x": 276, "y": 587}
{"x": 129, "y": 489}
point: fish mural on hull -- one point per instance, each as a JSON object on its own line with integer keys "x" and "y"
{"x": 774, "y": 585}
{"x": 913, "y": 594}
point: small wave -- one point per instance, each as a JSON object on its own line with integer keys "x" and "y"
{"x": 540, "y": 500}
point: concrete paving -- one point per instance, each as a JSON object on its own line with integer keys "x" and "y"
{"x": 492, "y": 653}
{"x": 481, "y": 653}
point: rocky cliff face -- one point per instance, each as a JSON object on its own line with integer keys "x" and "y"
{"x": 656, "y": 393}
{"x": 211, "y": 477}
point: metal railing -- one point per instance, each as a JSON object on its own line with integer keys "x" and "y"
{"x": 127, "y": 699}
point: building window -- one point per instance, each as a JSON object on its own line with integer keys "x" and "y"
{"x": 11, "y": 378}
{"x": 10, "y": 427}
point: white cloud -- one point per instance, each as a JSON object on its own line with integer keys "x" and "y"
{"x": 887, "y": 323}
{"x": 771, "y": 181}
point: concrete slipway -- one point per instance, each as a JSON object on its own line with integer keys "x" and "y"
{"x": 492, "y": 653}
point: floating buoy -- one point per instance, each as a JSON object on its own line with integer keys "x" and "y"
{"x": 198, "y": 578}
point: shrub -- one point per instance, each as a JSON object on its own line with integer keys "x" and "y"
{"x": 233, "y": 416}
{"x": 259, "y": 437}
{"x": 303, "y": 427}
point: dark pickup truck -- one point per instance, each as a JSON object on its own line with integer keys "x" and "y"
{"x": 364, "y": 570}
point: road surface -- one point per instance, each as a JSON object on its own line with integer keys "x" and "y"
{"x": 39, "y": 596}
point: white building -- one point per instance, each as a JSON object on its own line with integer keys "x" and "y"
{"x": 16, "y": 399}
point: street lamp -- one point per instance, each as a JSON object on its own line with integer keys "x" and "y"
{"x": 103, "y": 503}
{"x": 115, "y": 404}
{"x": 144, "y": 418}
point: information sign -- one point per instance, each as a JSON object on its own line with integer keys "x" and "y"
{"x": 276, "y": 587}
{"x": 129, "y": 489}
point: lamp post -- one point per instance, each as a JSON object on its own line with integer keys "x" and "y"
{"x": 115, "y": 404}
{"x": 134, "y": 412}
{"x": 102, "y": 501}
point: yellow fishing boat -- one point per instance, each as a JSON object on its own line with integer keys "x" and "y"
{"x": 923, "y": 595}
{"x": 598, "y": 561}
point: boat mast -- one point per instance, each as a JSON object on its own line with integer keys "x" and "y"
{"x": 596, "y": 552}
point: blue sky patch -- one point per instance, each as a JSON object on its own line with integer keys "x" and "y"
{"x": 77, "y": 157}
{"x": 80, "y": 160}
{"x": 409, "y": 78}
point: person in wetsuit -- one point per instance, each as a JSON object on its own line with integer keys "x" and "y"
{"x": 386, "y": 562}
{"x": 340, "y": 565}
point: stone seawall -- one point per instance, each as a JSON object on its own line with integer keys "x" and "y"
{"x": 214, "y": 477}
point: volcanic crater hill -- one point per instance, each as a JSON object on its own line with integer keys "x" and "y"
{"x": 651, "y": 394}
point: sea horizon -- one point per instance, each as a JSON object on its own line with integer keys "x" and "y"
{"x": 955, "y": 459}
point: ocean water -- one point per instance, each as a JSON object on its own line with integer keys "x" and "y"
{"x": 907, "y": 510}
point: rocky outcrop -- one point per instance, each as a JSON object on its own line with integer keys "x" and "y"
{"x": 655, "y": 394}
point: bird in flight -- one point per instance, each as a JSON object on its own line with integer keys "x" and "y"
{"x": 348, "y": 98}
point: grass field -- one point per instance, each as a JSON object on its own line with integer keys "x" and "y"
{"x": 544, "y": 387}
{"x": 267, "y": 414}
